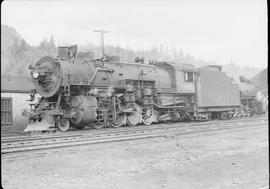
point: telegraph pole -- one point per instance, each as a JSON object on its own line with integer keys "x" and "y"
{"x": 102, "y": 40}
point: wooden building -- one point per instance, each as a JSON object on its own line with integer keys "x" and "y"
{"x": 15, "y": 93}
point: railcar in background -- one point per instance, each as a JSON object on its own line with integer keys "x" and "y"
{"x": 253, "y": 100}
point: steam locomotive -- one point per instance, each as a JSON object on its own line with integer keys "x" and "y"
{"x": 253, "y": 100}
{"x": 78, "y": 92}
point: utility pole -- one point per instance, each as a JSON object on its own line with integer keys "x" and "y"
{"x": 102, "y": 40}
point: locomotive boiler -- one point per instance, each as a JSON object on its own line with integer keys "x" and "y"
{"x": 78, "y": 92}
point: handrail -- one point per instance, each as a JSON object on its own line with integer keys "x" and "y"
{"x": 94, "y": 75}
{"x": 166, "y": 107}
{"x": 97, "y": 69}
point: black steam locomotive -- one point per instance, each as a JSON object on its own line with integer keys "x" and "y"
{"x": 78, "y": 92}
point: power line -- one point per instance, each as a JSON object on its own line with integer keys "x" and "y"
{"x": 102, "y": 40}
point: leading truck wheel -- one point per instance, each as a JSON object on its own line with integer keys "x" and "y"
{"x": 62, "y": 124}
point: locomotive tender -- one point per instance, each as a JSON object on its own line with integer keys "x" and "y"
{"x": 78, "y": 92}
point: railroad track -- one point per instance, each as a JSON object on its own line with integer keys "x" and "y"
{"x": 22, "y": 137}
{"x": 68, "y": 140}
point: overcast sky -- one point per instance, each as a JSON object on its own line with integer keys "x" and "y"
{"x": 211, "y": 30}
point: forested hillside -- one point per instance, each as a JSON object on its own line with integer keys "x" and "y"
{"x": 17, "y": 55}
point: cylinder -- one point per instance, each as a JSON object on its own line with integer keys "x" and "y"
{"x": 83, "y": 109}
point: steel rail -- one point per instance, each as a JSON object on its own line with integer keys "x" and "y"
{"x": 124, "y": 136}
{"x": 112, "y": 130}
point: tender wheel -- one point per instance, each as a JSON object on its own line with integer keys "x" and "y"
{"x": 230, "y": 115}
{"x": 223, "y": 115}
{"x": 120, "y": 121}
{"x": 62, "y": 124}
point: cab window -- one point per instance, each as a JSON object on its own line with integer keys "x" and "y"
{"x": 189, "y": 77}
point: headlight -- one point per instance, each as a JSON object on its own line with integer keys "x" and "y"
{"x": 35, "y": 74}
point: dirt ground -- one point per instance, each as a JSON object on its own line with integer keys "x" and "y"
{"x": 223, "y": 159}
